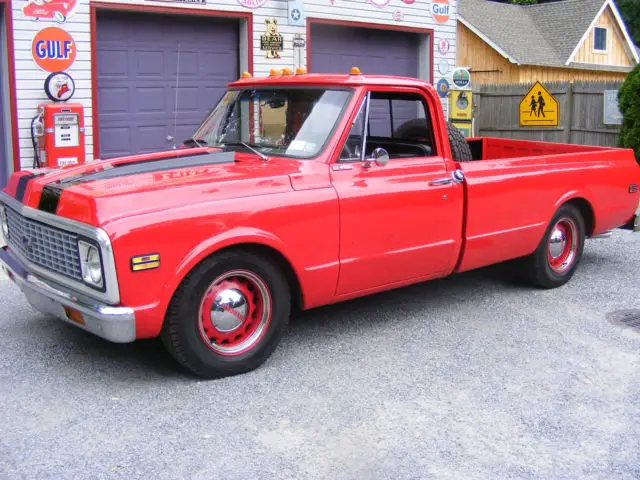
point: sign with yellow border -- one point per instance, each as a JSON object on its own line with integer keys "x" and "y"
{"x": 539, "y": 108}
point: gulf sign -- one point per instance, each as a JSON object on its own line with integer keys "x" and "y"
{"x": 440, "y": 10}
{"x": 53, "y": 49}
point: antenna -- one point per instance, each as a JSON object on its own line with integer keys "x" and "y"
{"x": 175, "y": 109}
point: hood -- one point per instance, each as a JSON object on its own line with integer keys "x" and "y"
{"x": 105, "y": 190}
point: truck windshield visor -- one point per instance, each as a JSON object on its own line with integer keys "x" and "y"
{"x": 291, "y": 122}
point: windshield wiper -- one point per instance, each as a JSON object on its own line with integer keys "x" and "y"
{"x": 249, "y": 147}
{"x": 199, "y": 143}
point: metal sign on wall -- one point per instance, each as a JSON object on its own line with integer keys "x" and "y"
{"x": 612, "y": 114}
{"x": 538, "y": 108}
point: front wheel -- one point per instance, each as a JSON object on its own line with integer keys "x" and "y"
{"x": 555, "y": 260}
{"x": 228, "y": 315}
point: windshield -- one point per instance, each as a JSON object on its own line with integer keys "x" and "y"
{"x": 289, "y": 122}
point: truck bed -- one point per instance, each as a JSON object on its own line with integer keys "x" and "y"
{"x": 490, "y": 148}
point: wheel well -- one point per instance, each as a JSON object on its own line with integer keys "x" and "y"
{"x": 586, "y": 210}
{"x": 281, "y": 262}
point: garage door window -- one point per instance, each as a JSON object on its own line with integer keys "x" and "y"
{"x": 397, "y": 122}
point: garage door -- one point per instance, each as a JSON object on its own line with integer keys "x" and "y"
{"x": 138, "y": 56}
{"x": 335, "y": 49}
{"x": 3, "y": 147}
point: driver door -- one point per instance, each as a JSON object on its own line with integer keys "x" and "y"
{"x": 401, "y": 221}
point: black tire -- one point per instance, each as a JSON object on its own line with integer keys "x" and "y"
{"x": 185, "y": 333}
{"x": 543, "y": 271}
{"x": 460, "y": 149}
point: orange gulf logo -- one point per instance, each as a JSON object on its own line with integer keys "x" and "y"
{"x": 53, "y": 49}
{"x": 440, "y": 10}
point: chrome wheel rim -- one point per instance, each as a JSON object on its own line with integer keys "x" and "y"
{"x": 563, "y": 244}
{"x": 234, "y": 312}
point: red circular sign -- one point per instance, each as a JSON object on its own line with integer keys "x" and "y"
{"x": 440, "y": 10}
{"x": 53, "y": 49}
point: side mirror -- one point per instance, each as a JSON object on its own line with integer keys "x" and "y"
{"x": 380, "y": 156}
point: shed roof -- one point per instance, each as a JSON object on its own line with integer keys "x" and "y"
{"x": 544, "y": 34}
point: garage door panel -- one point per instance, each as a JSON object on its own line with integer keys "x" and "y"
{"x": 137, "y": 74}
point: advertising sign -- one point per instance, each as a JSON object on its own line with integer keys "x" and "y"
{"x": 440, "y": 10}
{"x": 53, "y": 49}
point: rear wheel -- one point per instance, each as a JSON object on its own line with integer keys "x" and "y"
{"x": 555, "y": 260}
{"x": 228, "y": 315}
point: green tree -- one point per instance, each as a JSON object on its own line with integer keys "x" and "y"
{"x": 630, "y": 11}
{"x": 629, "y": 103}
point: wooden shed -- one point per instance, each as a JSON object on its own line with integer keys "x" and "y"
{"x": 561, "y": 41}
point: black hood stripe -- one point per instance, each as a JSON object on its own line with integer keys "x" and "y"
{"x": 22, "y": 185}
{"x": 51, "y": 192}
{"x": 151, "y": 166}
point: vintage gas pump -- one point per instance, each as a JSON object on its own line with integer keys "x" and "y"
{"x": 58, "y": 129}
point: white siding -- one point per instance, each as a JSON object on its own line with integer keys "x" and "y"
{"x": 30, "y": 78}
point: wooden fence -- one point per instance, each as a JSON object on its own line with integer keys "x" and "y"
{"x": 496, "y": 113}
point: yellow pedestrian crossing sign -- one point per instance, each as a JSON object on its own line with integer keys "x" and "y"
{"x": 539, "y": 108}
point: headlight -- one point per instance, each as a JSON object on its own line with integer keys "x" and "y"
{"x": 90, "y": 263}
{"x": 3, "y": 221}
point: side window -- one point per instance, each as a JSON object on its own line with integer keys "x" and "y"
{"x": 397, "y": 122}
{"x": 352, "y": 148}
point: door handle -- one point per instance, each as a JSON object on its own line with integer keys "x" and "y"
{"x": 441, "y": 181}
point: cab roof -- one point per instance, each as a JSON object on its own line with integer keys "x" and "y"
{"x": 346, "y": 79}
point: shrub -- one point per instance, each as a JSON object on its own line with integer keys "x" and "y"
{"x": 629, "y": 103}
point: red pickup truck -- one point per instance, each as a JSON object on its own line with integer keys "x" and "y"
{"x": 298, "y": 190}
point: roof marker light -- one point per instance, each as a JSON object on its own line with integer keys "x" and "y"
{"x": 273, "y": 72}
{"x": 355, "y": 71}
{"x": 286, "y": 71}
{"x": 245, "y": 75}
{"x": 301, "y": 71}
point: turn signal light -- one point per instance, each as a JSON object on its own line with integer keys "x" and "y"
{"x": 301, "y": 71}
{"x": 245, "y": 75}
{"x": 355, "y": 71}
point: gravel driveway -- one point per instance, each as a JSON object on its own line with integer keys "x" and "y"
{"x": 470, "y": 377}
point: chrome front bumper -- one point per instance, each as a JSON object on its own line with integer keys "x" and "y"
{"x": 116, "y": 324}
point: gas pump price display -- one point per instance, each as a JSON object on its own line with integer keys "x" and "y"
{"x": 66, "y": 130}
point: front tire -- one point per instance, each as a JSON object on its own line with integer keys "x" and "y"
{"x": 228, "y": 315}
{"x": 557, "y": 257}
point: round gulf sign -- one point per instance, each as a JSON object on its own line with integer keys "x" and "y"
{"x": 53, "y": 49}
{"x": 440, "y": 10}
{"x": 59, "y": 86}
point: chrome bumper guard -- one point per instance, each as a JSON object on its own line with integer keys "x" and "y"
{"x": 116, "y": 324}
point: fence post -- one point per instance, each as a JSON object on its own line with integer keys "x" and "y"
{"x": 569, "y": 115}
{"x": 477, "y": 101}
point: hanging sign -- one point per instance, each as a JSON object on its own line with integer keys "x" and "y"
{"x": 443, "y": 67}
{"x": 440, "y": 10}
{"x": 612, "y": 115}
{"x": 443, "y": 88}
{"x": 538, "y": 108}
{"x": 461, "y": 77}
{"x": 252, "y": 4}
{"x": 299, "y": 42}
{"x": 271, "y": 41}
{"x": 444, "y": 46}
{"x": 296, "y": 12}
{"x": 59, "y": 87}
{"x": 58, "y": 10}
{"x": 53, "y": 49}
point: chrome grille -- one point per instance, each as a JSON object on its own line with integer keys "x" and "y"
{"x": 43, "y": 245}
